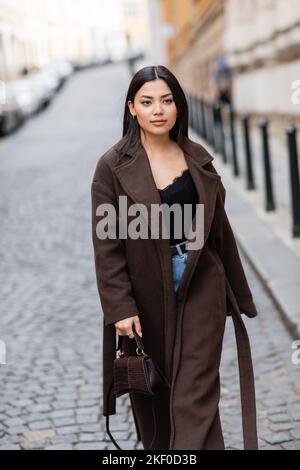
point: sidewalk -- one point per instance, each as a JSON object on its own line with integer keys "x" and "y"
{"x": 264, "y": 237}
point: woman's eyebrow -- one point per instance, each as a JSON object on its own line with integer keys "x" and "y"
{"x": 162, "y": 96}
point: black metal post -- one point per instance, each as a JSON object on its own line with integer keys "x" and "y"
{"x": 248, "y": 152}
{"x": 188, "y": 98}
{"x": 206, "y": 120}
{"x": 294, "y": 179}
{"x": 198, "y": 116}
{"x": 269, "y": 196}
{"x": 212, "y": 124}
{"x": 222, "y": 135}
{"x": 236, "y": 170}
{"x": 215, "y": 125}
{"x": 192, "y": 111}
{"x": 204, "y": 133}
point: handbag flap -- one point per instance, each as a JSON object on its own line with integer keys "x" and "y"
{"x": 135, "y": 374}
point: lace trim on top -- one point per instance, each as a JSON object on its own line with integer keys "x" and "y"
{"x": 175, "y": 179}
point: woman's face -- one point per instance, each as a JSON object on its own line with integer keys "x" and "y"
{"x": 154, "y": 101}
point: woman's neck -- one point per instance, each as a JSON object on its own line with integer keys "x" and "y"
{"x": 158, "y": 144}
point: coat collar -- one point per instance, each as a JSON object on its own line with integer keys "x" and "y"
{"x": 136, "y": 178}
{"x": 193, "y": 149}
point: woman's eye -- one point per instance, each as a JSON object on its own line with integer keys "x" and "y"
{"x": 168, "y": 101}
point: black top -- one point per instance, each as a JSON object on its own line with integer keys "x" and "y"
{"x": 183, "y": 191}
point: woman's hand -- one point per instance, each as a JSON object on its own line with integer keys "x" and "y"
{"x": 124, "y": 327}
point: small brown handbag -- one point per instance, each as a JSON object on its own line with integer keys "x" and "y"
{"x": 136, "y": 373}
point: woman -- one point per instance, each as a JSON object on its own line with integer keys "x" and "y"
{"x": 177, "y": 298}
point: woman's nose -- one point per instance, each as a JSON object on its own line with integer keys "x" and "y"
{"x": 158, "y": 109}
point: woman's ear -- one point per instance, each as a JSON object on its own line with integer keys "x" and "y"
{"x": 131, "y": 109}
{"x": 130, "y": 105}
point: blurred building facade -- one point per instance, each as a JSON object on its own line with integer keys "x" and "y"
{"x": 159, "y": 31}
{"x": 256, "y": 41}
{"x": 136, "y": 24}
{"x": 262, "y": 43}
{"x": 197, "y": 42}
{"x": 34, "y": 32}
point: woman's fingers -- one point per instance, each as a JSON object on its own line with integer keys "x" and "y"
{"x": 124, "y": 327}
{"x": 137, "y": 326}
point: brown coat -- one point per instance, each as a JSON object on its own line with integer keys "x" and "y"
{"x": 183, "y": 334}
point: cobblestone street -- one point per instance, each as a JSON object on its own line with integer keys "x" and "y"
{"x": 51, "y": 320}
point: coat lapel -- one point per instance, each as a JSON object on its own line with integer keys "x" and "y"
{"x": 135, "y": 176}
{"x": 207, "y": 184}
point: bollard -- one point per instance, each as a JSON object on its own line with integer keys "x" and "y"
{"x": 198, "y": 116}
{"x": 203, "y": 118}
{"x": 192, "y": 111}
{"x": 294, "y": 179}
{"x": 207, "y": 129}
{"x": 236, "y": 170}
{"x": 215, "y": 125}
{"x": 195, "y": 112}
{"x": 188, "y": 98}
{"x": 219, "y": 131}
{"x": 248, "y": 152}
{"x": 269, "y": 196}
{"x": 222, "y": 135}
{"x": 211, "y": 124}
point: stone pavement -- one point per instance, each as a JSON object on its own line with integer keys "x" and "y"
{"x": 51, "y": 320}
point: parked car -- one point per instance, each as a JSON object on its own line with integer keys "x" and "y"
{"x": 46, "y": 83}
{"x": 23, "y": 99}
{"x": 104, "y": 59}
{"x": 63, "y": 68}
{"x": 25, "y": 94}
{"x": 83, "y": 63}
{"x": 10, "y": 113}
{"x": 51, "y": 79}
{"x": 31, "y": 93}
{"x": 43, "y": 91}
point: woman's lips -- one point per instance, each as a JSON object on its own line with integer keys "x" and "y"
{"x": 158, "y": 123}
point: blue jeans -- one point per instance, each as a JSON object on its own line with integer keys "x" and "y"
{"x": 178, "y": 267}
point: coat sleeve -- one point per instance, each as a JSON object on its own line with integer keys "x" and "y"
{"x": 113, "y": 282}
{"x": 228, "y": 252}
